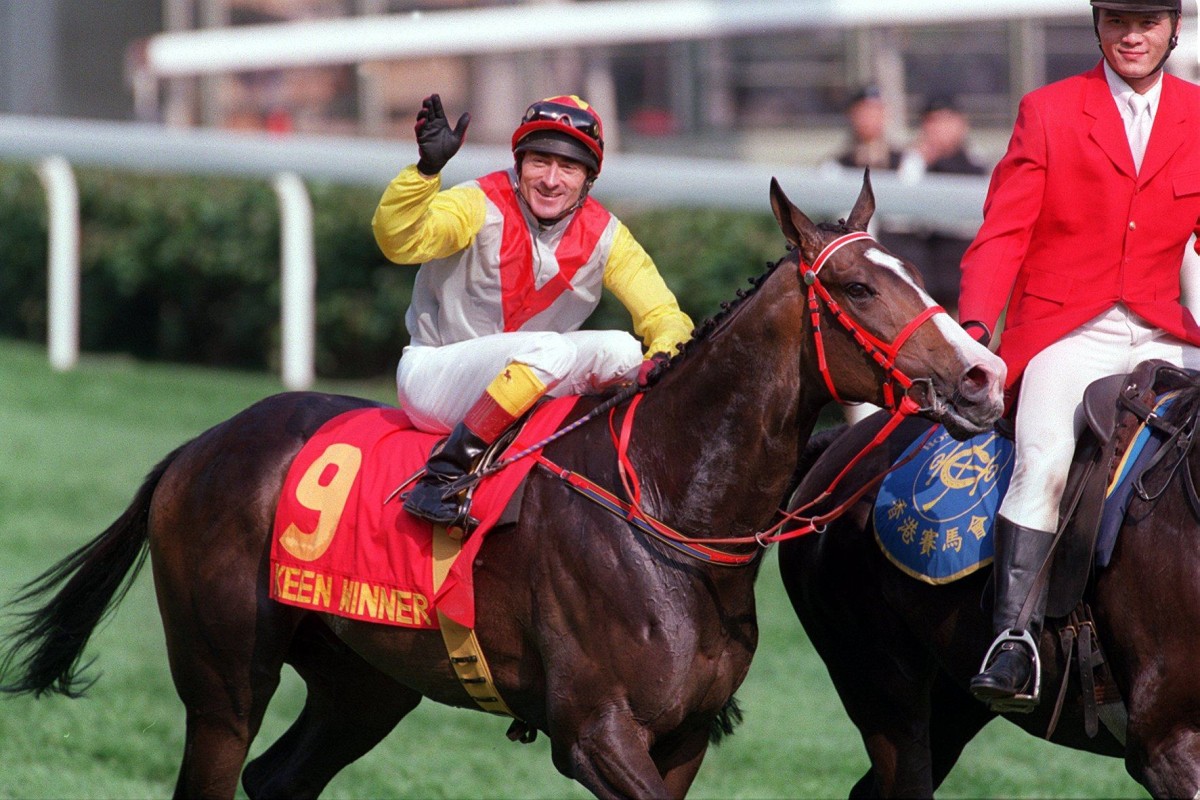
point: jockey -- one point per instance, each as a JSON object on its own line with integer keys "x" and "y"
{"x": 1085, "y": 222}
{"x": 512, "y": 264}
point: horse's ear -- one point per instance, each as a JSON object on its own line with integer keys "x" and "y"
{"x": 797, "y": 228}
{"x": 864, "y": 206}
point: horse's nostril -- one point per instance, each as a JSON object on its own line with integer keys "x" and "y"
{"x": 975, "y": 383}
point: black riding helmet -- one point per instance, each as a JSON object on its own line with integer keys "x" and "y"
{"x": 1173, "y": 7}
{"x": 1137, "y": 6}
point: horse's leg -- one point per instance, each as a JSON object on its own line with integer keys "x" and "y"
{"x": 883, "y": 678}
{"x": 350, "y": 707}
{"x": 867, "y": 786}
{"x": 608, "y": 753}
{"x": 679, "y": 763}
{"x": 225, "y": 673}
{"x": 1168, "y": 765}
{"x": 1163, "y": 736}
{"x": 887, "y": 698}
{"x": 226, "y": 642}
{"x": 954, "y": 719}
{"x": 1151, "y": 633}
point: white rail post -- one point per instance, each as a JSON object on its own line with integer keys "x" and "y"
{"x": 298, "y": 282}
{"x": 62, "y": 200}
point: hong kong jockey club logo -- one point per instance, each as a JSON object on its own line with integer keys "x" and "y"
{"x": 934, "y": 515}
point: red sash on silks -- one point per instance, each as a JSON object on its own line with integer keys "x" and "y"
{"x": 522, "y": 300}
{"x": 338, "y": 548}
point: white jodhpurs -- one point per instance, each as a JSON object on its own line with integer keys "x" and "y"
{"x": 1050, "y": 411}
{"x": 438, "y": 385}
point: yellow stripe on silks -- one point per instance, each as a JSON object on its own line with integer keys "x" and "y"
{"x": 516, "y": 389}
{"x": 466, "y": 656}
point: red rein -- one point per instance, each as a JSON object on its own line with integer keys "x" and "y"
{"x": 884, "y": 354}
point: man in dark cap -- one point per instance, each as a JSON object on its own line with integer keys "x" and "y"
{"x": 869, "y": 146}
{"x": 941, "y": 144}
{"x": 940, "y": 148}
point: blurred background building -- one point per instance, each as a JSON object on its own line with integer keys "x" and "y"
{"x": 777, "y": 94}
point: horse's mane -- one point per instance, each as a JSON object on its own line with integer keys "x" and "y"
{"x": 705, "y": 329}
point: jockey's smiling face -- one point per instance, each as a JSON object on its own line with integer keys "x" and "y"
{"x": 551, "y": 184}
{"x": 1135, "y": 43}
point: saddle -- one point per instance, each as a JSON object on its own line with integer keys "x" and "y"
{"x": 1116, "y": 408}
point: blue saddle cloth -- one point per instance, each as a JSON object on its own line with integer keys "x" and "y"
{"x": 934, "y": 514}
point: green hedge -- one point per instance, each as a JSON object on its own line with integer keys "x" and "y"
{"x": 186, "y": 269}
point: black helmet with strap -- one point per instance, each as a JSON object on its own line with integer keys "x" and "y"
{"x": 1174, "y": 7}
{"x": 1139, "y": 6}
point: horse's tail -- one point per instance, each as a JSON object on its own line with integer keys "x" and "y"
{"x": 44, "y": 650}
{"x": 723, "y": 724}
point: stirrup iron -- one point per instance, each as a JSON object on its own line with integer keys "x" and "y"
{"x": 1022, "y": 702}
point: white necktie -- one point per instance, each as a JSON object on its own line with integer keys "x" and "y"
{"x": 1139, "y": 127}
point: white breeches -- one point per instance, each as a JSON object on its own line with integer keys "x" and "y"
{"x": 1050, "y": 410}
{"x": 438, "y": 385}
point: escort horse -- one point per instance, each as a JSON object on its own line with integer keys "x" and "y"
{"x": 901, "y": 651}
{"x": 625, "y": 648}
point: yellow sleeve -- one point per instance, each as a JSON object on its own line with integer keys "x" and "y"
{"x": 633, "y": 279}
{"x": 416, "y": 222}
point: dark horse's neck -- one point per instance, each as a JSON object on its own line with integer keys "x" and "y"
{"x": 720, "y": 433}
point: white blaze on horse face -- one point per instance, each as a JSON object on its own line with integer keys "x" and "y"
{"x": 971, "y": 351}
{"x": 893, "y": 264}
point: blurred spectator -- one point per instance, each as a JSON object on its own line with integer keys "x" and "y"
{"x": 940, "y": 148}
{"x": 941, "y": 144}
{"x": 868, "y": 146}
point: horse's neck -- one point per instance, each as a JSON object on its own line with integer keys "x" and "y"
{"x": 724, "y": 429}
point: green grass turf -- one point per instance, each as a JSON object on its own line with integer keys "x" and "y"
{"x": 75, "y": 447}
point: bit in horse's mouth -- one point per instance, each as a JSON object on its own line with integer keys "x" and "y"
{"x": 962, "y": 425}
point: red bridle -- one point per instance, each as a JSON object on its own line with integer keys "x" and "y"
{"x": 884, "y": 354}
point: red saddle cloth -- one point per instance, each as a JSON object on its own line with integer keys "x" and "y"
{"x": 340, "y": 546}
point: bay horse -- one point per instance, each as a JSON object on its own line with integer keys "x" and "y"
{"x": 622, "y": 650}
{"x": 901, "y": 652}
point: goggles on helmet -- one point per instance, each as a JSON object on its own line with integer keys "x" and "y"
{"x": 566, "y": 115}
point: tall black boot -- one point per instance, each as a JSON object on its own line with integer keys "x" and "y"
{"x": 431, "y": 498}
{"x": 1011, "y": 677}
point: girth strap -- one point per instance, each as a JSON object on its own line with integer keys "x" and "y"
{"x": 462, "y": 646}
{"x": 1101, "y": 700}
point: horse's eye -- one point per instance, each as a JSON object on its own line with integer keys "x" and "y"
{"x": 857, "y": 291}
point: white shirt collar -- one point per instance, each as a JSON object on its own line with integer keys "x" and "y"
{"x": 1121, "y": 91}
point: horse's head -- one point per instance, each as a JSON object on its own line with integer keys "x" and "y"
{"x": 869, "y": 315}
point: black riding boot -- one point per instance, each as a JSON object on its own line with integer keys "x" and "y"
{"x": 1011, "y": 677}
{"x": 429, "y": 497}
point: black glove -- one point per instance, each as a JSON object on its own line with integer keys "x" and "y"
{"x": 436, "y": 142}
{"x": 977, "y": 331}
{"x": 651, "y": 367}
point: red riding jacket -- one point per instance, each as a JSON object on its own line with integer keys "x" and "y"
{"x": 1070, "y": 229}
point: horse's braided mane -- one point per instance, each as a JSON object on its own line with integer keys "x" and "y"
{"x": 702, "y": 331}
{"x": 706, "y": 328}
